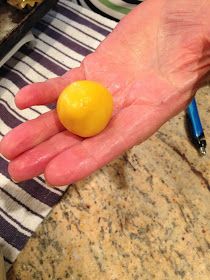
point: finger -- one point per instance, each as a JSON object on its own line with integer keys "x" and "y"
{"x": 33, "y": 162}
{"x": 30, "y": 134}
{"x": 132, "y": 125}
{"x": 48, "y": 91}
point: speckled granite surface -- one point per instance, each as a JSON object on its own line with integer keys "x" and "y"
{"x": 144, "y": 216}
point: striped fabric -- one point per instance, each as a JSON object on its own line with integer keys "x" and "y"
{"x": 113, "y": 9}
{"x": 63, "y": 37}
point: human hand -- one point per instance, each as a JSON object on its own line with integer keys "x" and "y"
{"x": 152, "y": 63}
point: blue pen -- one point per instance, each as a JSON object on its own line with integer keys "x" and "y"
{"x": 196, "y": 126}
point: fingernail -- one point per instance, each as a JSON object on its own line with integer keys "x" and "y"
{"x": 48, "y": 184}
{"x": 13, "y": 180}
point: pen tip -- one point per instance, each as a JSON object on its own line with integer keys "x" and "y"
{"x": 202, "y": 151}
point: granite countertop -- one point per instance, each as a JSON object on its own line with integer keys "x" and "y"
{"x": 144, "y": 216}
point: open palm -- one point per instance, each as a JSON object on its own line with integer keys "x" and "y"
{"x": 152, "y": 63}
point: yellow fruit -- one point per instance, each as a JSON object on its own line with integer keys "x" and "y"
{"x": 85, "y": 108}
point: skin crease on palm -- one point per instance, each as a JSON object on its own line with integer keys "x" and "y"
{"x": 152, "y": 63}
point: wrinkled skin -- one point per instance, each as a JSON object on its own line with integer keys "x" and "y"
{"x": 152, "y": 63}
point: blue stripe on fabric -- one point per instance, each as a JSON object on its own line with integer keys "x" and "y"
{"x": 10, "y": 234}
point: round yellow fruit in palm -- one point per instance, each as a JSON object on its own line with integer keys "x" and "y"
{"x": 85, "y": 108}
